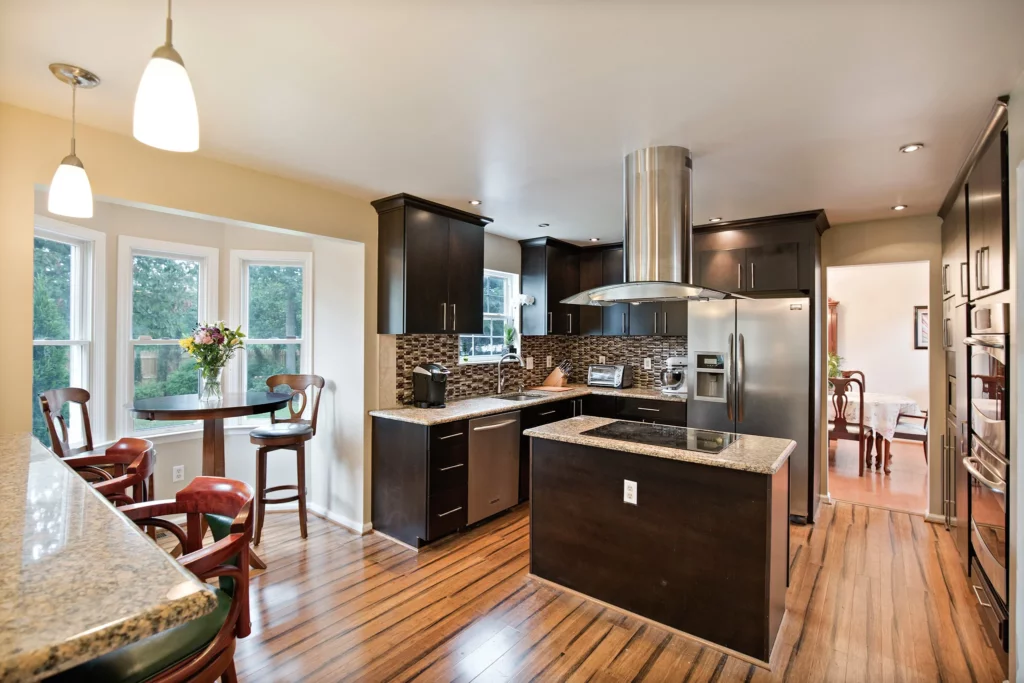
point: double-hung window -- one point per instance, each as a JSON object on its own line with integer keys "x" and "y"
{"x": 67, "y": 265}
{"x": 165, "y": 290}
{"x": 500, "y": 291}
{"x": 271, "y": 293}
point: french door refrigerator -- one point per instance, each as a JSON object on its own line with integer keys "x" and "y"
{"x": 750, "y": 373}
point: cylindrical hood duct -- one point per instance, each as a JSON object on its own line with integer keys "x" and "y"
{"x": 658, "y": 233}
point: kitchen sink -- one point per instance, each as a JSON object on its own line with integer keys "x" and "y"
{"x": 520, "y": 396}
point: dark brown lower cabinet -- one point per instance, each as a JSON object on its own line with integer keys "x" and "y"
{"x": 651, "y": 410}
{"x": 705, "y": 550}
{"x": 535, "y": 416}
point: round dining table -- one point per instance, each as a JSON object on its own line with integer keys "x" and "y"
{"x": 213, "y": 414}
{"x": 881, "y": 413}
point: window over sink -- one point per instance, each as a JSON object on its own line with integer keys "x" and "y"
{"x": 501, "y": 327}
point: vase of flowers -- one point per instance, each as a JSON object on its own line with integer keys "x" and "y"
{"x": 211, "y": 347}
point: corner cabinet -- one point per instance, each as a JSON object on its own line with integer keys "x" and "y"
{"x": 551, "y": 272}
{"x": 430, "y": 267}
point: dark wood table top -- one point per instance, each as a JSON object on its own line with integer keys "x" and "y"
{"x": 190, "y": 407}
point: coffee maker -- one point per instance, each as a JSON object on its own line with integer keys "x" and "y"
{"x": 428, "y": 385}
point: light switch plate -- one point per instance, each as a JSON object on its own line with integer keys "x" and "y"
{"x": 529, "y": 362}
{"x": 549, "y": 362}
{"x": 647, "y": 363}
{"x": 629, "y": 491}
{"x": 601, "y": 360}
{"x": 178, "y": 473}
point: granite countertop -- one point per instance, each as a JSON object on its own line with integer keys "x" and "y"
{"x": 77, "y": 578}
{"x": 467, "y": 408}
{"x": 758, "y": 454}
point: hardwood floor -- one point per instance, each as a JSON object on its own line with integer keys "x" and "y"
{"x": 869, "y": 601}
{"x": 905, "y": 488}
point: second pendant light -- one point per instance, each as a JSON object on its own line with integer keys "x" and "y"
{"x": 165, "y": 105}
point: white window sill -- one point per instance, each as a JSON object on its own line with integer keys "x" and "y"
{"x": 158, "y": 437}
{"x": 480, "y": 361}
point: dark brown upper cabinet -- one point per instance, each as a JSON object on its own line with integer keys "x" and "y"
{"x": 591, "y": 275}
{"x": 615, "y": 319}
{"x": 988, "y": 220}
{"x": 955, "y": 268}
{"x": 764, "y": 268}
{"x": 551, "y": 272}
{"x": 430, "y": 267}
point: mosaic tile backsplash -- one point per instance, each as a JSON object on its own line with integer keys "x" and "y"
{"x": 476, "y": 380}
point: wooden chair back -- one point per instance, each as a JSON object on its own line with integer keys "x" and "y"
{"x": 844, "y": 387}
{"x": 52, "y": 403}
{"x": 300, "y": 385}
{"x": 226, "y": 558}
{"x": 858, "y": 375}
{"x": 133, "y": 461}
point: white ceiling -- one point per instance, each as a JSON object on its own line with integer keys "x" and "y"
{"x": 530, "y": 106}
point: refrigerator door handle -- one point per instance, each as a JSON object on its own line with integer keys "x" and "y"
{"x": 740, "y": 379}
{"x": 729, "y": 380}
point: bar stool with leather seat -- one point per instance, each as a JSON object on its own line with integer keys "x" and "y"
{"x": 289, "y": 433}
{"x": 132, "y": 458}
{"x": 204, "y": 648}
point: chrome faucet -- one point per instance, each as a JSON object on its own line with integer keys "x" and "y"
{"x": 501, "y": 380}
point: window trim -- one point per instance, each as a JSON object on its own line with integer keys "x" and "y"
{"x": 512, "y": 305}
{"x": 240, "y": 260}
{"x": 127, "y": 247}
{"x": 92, "y": 314}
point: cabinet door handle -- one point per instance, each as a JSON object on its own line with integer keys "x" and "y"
{"x": 751, "y": 275}
{"x": 655, "y": 322}
{"x": 945, "y": 278}
{"x": 444, "y": 315}
{"x": 985, "y": 257}
{"x": 977, "y": 269}
{"x": 453, "y": 316}
{"x": 550, "y": 412}
{"x": 550, "y": 314}
{"x": 965, "y": 278}
{"x": 450, "y": 436}
{"x": 623, "y": 323}
{"x": 649, "y": 410}
{"x": 445, "y": 514}
{"x": 739, "y": 276}
{"x": 570, "y": 322}
{"x": 450, "y": 467}
{"x": 664, "y": 323}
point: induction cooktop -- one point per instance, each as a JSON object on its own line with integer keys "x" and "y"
{"x": 667, "y": 436}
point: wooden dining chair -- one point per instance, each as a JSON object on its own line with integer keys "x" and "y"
{"x": 289, "y": 433}
{"x": 126, "y": 465}
{"x": 52, "y": 403}
{"x": 839, "y": 428}
{"x": 909, "y": 429}
{"x": 204, "y": 648}
{"x": 856, "y": 374}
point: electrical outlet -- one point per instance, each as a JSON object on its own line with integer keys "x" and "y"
{"x": 549, "y": 362}
{"x": 529, "y": 362}
{"x": 601, "y": 360}
{"x": 629, "y": 491}
{"x": 178, "y": 473}
{"x": 647, "y": 363}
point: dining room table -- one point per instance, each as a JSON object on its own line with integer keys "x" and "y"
{"x": 881, "y": 414}
{"x": 212, "y": 413}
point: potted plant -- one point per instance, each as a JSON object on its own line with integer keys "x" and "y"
{"x": 510, "y": 338}
{"x": 211, "y": 347}
{"x": 835, "y": 362}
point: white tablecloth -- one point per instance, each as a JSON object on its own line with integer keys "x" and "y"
{"x": 881, "y": 411}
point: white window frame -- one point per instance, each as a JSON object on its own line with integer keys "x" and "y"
{"x": 127, "y": 247}
{"x": 510, "y": 313}
{"x": 88, "y": 315}
{"x": 240, "y": 260}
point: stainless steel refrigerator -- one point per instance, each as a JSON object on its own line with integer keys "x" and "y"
{"x": 750, "y": 373}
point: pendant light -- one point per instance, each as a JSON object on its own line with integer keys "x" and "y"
{"x": 70, "y": 192}
{"x": 165, "y": 106}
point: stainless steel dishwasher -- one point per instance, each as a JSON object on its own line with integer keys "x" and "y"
{"x": 493, "y": 465}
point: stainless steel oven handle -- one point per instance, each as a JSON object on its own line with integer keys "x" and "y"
{"x": 977, "y": 595}
{"x": 976, "y": 473}
{"x": 974, "y": 341}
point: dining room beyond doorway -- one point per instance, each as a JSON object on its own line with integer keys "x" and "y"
{"x": 878, "y": 393}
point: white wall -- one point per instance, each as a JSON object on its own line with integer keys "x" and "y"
{"x": 876, "y": 325}
{"x": 501, "y": 253}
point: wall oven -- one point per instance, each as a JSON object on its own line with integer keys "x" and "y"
{"x": 988, "y": 463}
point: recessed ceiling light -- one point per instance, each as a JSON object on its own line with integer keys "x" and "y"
{"x": 543, "y": 225}
{"x": 912, "y": 147}
{"x": 715, "y": 220}
{"x": 474, "y": 202}
{"x": 595, "y": 239}
{"x": 899, "y": 207}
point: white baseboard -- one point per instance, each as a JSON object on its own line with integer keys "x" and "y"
{"x": 340, "y": 520}
{"x": 934, "y": 519}
{"x": 825, "y": 498}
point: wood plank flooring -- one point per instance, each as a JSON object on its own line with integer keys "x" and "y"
{"x": 869, "y": 601}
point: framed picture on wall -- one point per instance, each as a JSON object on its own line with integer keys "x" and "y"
{"x": 920, "y": 327}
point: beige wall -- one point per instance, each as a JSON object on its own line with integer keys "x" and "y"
{"x": 898, "y": 240}
{"x": 32, "y": 144}
{"x": 501, "y": 253}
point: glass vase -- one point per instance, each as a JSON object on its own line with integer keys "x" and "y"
{"x": 212, "y": 388}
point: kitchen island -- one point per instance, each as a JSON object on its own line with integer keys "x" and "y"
{"x": 703, "y": 548}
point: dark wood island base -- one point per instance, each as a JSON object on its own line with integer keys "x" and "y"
{"x": 704, "y": 552}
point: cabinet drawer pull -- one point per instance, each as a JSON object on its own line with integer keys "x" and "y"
{"x": 450, "y": 436}
{"x": 550, "y": 412}
{"x": 445, "y": 514}
{"x": 450, "y": 467}
{"x": 981, "y": 601}
{"x": 649, "y": 410}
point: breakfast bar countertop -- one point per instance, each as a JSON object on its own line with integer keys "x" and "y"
{"x": 466, "y": 408}
{"x": 77, "y": 578}
{"x": 757, "y": 454}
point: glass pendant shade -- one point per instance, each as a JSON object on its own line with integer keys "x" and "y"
{"x": 165, "y": 105}
{"x": 70, "y": 191}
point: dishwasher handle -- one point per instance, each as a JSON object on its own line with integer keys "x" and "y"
{"x": 494, "y": 426}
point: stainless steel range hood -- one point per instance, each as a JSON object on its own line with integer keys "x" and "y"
{"x": 658, "y": 238}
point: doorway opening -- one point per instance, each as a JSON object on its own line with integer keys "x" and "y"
{"x": 878, "y": 367}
